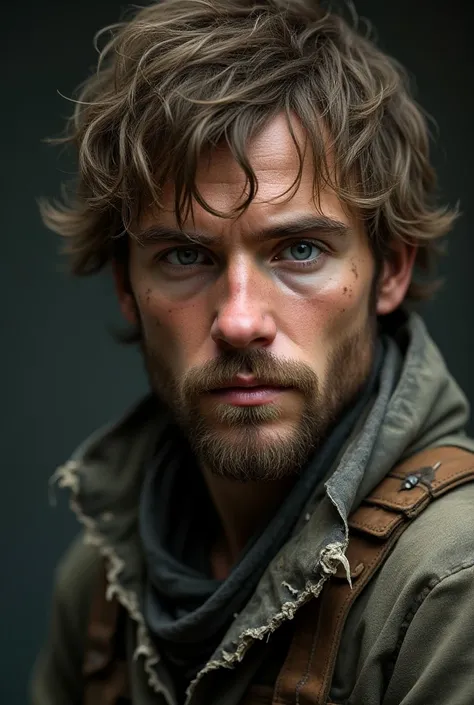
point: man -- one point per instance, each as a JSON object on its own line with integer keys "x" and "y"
{"x": 257, "y": 175}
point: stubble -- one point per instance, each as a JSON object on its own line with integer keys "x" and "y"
{"x": 254, "y": 443}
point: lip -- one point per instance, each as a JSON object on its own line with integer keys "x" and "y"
{"x": 250, "y": 393}
{"x": 241, "y": 382}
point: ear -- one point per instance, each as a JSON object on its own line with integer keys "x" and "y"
{"x": 395, "y": 278}
{"x": 124, "y": 292}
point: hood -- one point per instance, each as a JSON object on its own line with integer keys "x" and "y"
{"x": 418, "y": 405}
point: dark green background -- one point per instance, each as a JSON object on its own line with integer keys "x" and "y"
{"x": 62, "y": 374}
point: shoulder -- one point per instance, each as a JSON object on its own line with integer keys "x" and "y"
{"x": 434, "y": 551}
{"x": 57, "y": 674}
{"x": 76, "y": 576}
{"x": 421, "y": 599}
{"x": 79, "y": 564}
{"x": 424, "y": 585}
{"x": 432, "y": 568}
{"x": 434, "y": 548}
{"x": 437, "y": 542}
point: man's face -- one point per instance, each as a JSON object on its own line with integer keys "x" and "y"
{"x": 259, "y": 332}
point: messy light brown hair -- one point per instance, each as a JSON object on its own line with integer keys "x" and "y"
{"x": 182, "y": 76}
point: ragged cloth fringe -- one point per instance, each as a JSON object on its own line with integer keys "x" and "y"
{"x": 67, "y": 477}
{"x": 331, "y": 556}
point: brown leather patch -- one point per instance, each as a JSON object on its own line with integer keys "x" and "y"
{"x": 450, "y": 475}
{"x": 390, "y": 496}
{"x": 375, "y": 521}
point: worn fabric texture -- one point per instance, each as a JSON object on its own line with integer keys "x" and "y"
{"x": 409, "y": 637}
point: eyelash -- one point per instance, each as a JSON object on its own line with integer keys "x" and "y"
{"x": 302, "y": 264}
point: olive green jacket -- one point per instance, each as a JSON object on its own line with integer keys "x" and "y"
{"x": 409, "y": 638}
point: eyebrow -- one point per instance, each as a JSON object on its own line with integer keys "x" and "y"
{"x": 303, "y": 224}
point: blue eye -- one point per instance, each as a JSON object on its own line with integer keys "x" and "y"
{"x": 184, "y": 256}
{"x": 303, "y": 251}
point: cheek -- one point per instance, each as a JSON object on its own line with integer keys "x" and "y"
{"x": 325, "y": 316}
{"x": 176, "y": 328}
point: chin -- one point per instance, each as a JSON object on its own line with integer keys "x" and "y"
{"x": 252, "y": 438}
{"x": 252, "y": 452}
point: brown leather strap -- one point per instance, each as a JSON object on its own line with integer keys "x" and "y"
{"x": 376, "y": 525}
{"x": 297, "y": 667}
{"x": 104, "y": 667}
{"x": 410, "y": 487}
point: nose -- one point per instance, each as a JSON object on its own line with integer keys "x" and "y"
{"x": 244, "y": 318}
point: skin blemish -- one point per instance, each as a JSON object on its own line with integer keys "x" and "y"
{"x": 354, "y": 270}
{"x": 344, "y": 291}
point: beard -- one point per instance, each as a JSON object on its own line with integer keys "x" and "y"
{"x": 254, "y": 443}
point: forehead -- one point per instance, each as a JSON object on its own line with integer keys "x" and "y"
{"x": 274, "y": 158}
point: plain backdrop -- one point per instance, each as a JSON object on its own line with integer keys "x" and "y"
{"x": 63, "y": 376}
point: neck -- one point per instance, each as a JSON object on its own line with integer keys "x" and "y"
{"x": 243, "y": 509}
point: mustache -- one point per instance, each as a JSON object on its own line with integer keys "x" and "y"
{"x": 265, "y": 366}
